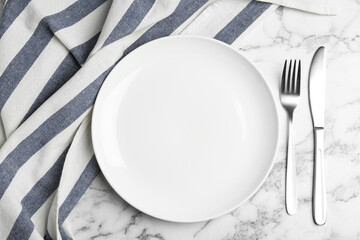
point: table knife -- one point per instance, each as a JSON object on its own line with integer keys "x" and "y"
{"x": 317, "y": 79}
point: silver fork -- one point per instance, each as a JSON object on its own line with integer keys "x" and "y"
{"x": 289, "y": 98}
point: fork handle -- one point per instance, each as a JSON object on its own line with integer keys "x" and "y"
{"x": 319, "y": 191}
{"x": 290, "y": 193}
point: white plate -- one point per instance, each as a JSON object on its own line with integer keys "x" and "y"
{"x": 185, "y": 128}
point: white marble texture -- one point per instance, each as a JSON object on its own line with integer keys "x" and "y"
{"x": 287, "y": 33}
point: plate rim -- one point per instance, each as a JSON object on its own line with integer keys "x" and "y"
{"x": 273, "y": 157}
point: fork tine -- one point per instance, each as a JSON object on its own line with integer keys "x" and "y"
{"x": 283, "y": 77}
{"x": 288, "y": 81}
{"x": 298, "y": 82}
{"x": 293, "y": 79}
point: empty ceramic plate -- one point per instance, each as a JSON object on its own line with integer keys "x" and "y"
{"x": 185, "y": 128}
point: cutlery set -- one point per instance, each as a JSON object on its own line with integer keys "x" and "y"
{"x": 289, "y": 98}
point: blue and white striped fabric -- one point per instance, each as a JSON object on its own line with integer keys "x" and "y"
{"x": 54, "y": 57}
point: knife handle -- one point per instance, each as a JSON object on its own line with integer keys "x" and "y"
{"x": 319, "y": 191}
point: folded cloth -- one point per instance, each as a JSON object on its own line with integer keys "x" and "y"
{"x": 54, "y": 57}
{"x": 325, "y": 7}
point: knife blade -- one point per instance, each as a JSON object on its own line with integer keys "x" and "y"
{"x": 317, "y": 81}
{"x": 317, "y": 87}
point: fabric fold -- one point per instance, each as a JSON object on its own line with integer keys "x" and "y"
{"x": 322, "y": 7}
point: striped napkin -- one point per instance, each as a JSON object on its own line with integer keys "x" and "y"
{"x": 54, "y": 57}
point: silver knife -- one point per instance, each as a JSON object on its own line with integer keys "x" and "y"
{"x": 317, "y": 79}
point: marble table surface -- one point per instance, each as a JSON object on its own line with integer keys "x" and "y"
{"x": 101, "y": 214}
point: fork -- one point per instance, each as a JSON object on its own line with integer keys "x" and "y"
{"x": 289, "y": 98}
